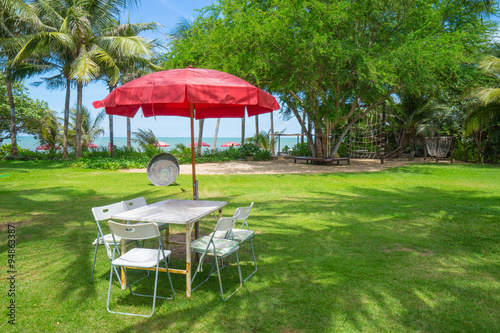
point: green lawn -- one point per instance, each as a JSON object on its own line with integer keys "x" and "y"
{"x": 413, "y": 249}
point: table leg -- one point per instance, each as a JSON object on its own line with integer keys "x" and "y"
{"x": 167, "y": 238}
{"x": 122, "y": 270}
{"x": 189, "y": 229}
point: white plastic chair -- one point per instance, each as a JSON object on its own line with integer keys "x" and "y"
{"x": 138, "y": 257}
{"x": 101, "y": 214}
{"x": 140, "y": 202}
{"x": 219, "y": 248}
{"x": 241, "y": 235}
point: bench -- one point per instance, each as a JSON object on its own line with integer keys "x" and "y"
{"x": 317, "y": 160}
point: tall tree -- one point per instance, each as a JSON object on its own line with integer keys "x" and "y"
{"x": 16, "y": 19}
{"x": 324, "y": 59}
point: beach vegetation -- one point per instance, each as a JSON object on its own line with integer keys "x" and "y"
{"x": 29, "y": 112}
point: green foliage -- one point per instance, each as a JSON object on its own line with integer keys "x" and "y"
{"x": 262, "y": 155}
{"x": 301, "y": 149}
{"x": 248, "y": 149}
{"x": 29, "y": 112}
{"x": 325, "y": 59}
{"x": 145, "y": 138}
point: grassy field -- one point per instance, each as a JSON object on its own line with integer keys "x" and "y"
{"x": 413, "y": 249}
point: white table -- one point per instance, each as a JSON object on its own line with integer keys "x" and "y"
{"x": 182, "y": 212}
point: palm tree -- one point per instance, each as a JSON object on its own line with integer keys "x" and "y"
{"x": 49, "y": 133}
{"x": 488, "y": 97}
{"x": 413, "y": 113}
{"x": 87, "y": 42}
{"x": 145, "y": 138}
{"x": 133, "y": 64}
{"x": 91, "y": 127}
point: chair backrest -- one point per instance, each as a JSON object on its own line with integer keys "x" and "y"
{"x": 105, "y": 212}
{"x": 135, "y": 231}
{"x": 242, "y": 213}
{"x": 134, "y": 203}
{"x": 225, "y": 224}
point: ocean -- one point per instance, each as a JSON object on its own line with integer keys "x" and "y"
{"x": 28, "y": 142}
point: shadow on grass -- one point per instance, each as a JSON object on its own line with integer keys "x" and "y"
{"x": 359, "y": 259}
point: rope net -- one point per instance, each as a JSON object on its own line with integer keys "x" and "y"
{"x": 366, "y": 139}
{"x": 444, "y": 146}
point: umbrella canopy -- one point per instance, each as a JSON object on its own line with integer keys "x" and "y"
{"x": 92, "y": 145}
{"x": 47, "y": 147}
{"x": 203, "y": 144}
{"x": 230, "y": 144}
{"x": 215, "y": 94}
{"x": 196, "y": 93}
{"x": 161, "y": 144}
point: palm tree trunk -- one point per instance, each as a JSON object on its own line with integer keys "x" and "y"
{"x": 78, "y": 122}
{"x": 13, "y": 134}
{"x": 256, "y": 124}
{"x": 129, "y": 141}
{"x": 111, "y": 134}
{"x": 215, "y": 135}
{"x": 66, "y": 117}
{"x": 111, "y": 141}
{"x": 200, "y": 136}
{"x": 243, "y": 130}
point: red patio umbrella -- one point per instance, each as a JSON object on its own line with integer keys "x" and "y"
{"x": 203, "y": 144}
{"x": 230, "y": 144}
{"x": 161, "y": 144}
{"x": 47, "y": 147}
{"x": 196, "y": 93}
{"x": 92, "y": 145}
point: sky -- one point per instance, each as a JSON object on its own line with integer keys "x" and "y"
{"x": 167, "y": 13}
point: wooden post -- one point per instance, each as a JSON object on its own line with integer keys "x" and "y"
{"x": 437, "y": 149}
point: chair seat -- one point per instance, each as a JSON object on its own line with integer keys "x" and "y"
{"x": 140, "y": 257}
{"x": 239, "y": 235}
{"x": 223, "y": 247}
{"x": 108, "y": 238}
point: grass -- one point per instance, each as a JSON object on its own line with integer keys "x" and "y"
{"x": 412, "y": 249}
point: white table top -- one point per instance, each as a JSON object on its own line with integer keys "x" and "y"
{"x": 172, "y": 211}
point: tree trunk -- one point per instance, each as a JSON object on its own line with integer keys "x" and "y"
{"x": 243, "y": 130}
{"x": 215, "y": 135}
{"x": 78, "y": 122}
{"x": 111, "y": 137}
{"x": 66, "y": 117}
{"x": 200, "y": 136}
{"x": 111, "y": 133}
{"x": 13, "y": 130}
{"x": 256, "y": 125}
{"x": 411, "y": 142}
{"x": 129, "y": 140}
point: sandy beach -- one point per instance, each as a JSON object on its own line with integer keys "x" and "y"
{"x": 285, "y": 166}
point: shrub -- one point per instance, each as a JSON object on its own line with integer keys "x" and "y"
{"x": 301, "y": 149}
{"x": 248, "y": 149}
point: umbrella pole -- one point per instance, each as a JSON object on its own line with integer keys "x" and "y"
{"x": 193, "y": 168}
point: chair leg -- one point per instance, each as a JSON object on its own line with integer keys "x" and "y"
{"x": 130, "y": 288}
{"x": 254, "y": 261}
{"x": 95, "y": 256}
{"x": 220, "y": 280}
